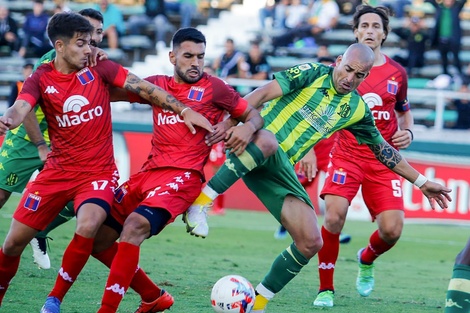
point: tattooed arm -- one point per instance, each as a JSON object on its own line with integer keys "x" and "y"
{"x": 14, "y": 116}
{"x": 158, "y": 96}
{"x": 392, "y": 159}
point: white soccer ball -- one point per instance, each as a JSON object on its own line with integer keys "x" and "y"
{"x": 233, "y": 293}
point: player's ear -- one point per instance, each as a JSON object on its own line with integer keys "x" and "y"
{"x": 59, "y": 45}
{"x": 172, "y": 57}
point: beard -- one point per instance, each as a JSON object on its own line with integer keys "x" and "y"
{"x": 185, "y": 78}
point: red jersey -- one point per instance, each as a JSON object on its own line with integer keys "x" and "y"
{"x": 384, "y": 91}
{"x": 173, "y": 145}
{"x": 78, "y": 114}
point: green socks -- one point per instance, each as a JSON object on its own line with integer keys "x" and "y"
{"x": 236, "y": 167}
{"x": 458, "y": 293}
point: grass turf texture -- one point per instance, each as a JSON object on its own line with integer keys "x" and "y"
{"x": 412, "y": 277}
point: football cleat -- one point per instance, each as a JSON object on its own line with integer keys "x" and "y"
{"x": 196, "y": 220}
{"x": 324, "y": 299}
{"x": 52, "y": 305}
{"x": 365, "y": 277}
{"x": 40, "y": 256}
{"x": 165, "y": 301}
{"x": 344, "y": 238}
{"x": 280, "y": 233}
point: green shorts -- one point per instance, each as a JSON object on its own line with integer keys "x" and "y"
{"x": 19, "y": 159}
{"x": 272, "y": 181}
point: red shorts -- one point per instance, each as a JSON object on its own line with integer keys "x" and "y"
{"x": 52, "y": 189}
{"x": 381, "y": 188}
{"x": 172, "y": 189}
{"x": 322, "y": 152}
{"x": 217, "y": 154}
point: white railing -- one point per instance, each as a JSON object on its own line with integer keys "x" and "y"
{"x": 440, "y": 98}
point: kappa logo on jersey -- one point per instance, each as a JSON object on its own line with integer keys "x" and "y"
{"x": 85, "y": 76}
{"x": 32, "y": 202}
{"x": 339, "y": 177}
{"x": 196, "y": 93}
{"x": 392, "y": 87}
{"x": 50, "y": 89}
{"x": 75, "y": 104}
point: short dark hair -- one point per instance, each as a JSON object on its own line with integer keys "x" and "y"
{"x": 187, "y": 34}
{"x": 65, "y": 25}
{"x": 381, "y": 11}
{"x": 92, "y": 13}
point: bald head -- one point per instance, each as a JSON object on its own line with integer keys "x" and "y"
{"x": 360, "y": 53}
{"x": 352, "y": 67}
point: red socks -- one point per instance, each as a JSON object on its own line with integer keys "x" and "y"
{"x": 122, "y": 271}
{"x": 8, "y": 268}
{"x": 75, "y": 257}
{"x": 141, "y": 283}
{"x": 377, "y": 246}
{"x": 327, "y": 257}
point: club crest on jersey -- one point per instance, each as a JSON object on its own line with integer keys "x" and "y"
{"x": 120, "y": 193}
{"x": 196, "y": 93}
{"x": 32, "y": 202}
{"x": 85, "y": 76}
{"x": 392, "y": 87}
{"x": 339, "y": 177}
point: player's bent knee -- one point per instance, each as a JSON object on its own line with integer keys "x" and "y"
{"x": 266, "y": 142}
{"x": 311, "y": 246}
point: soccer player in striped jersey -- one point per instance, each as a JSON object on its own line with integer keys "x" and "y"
{"x": 308, "y": 102}
{"x": 353, "y": 165}
{"x": 80, "y": 167}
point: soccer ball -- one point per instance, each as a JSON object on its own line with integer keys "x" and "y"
{"x": 232, "y": 293}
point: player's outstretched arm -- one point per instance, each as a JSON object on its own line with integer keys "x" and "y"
{"x": 160, "y": 97}
{"x": 14, "y": 116}
{"x": 391, "y": 158}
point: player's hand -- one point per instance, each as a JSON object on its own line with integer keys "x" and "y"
{"x": 95, "y": 55}
{"x": 436, "y": 193}
{"x": 238, "y": 137}
{"x": 220, "y": 131}
{"x": 5, "y": 124}
{"x": 192, "y": 118}
{"x": 308, "y": 165}
{"x": 43, "y": 150}
{"x": 402, "y": 139}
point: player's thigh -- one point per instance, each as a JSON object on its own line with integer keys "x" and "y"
{"x": 273, "y": 181}
{"x": 173, "y": 190}
{"x": 382, "y": 190}
{"x": 343, "y": 179}
{"x": 95, "y": 189}
{"x": 19, "y": 159}
{"x": 43, "y": 199}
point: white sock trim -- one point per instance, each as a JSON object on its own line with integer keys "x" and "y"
{"x": 268, "y": 294}
{"x": 208, "y": 191}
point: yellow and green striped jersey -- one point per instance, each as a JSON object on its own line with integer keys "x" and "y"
{"x": 20, "y": 131}
{"x": 311, "y": 109}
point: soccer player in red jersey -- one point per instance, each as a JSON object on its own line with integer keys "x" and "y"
{"x": 353, "y": 165}
{"x": 171, "y": 178}
{"x": 80, "y": 166}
